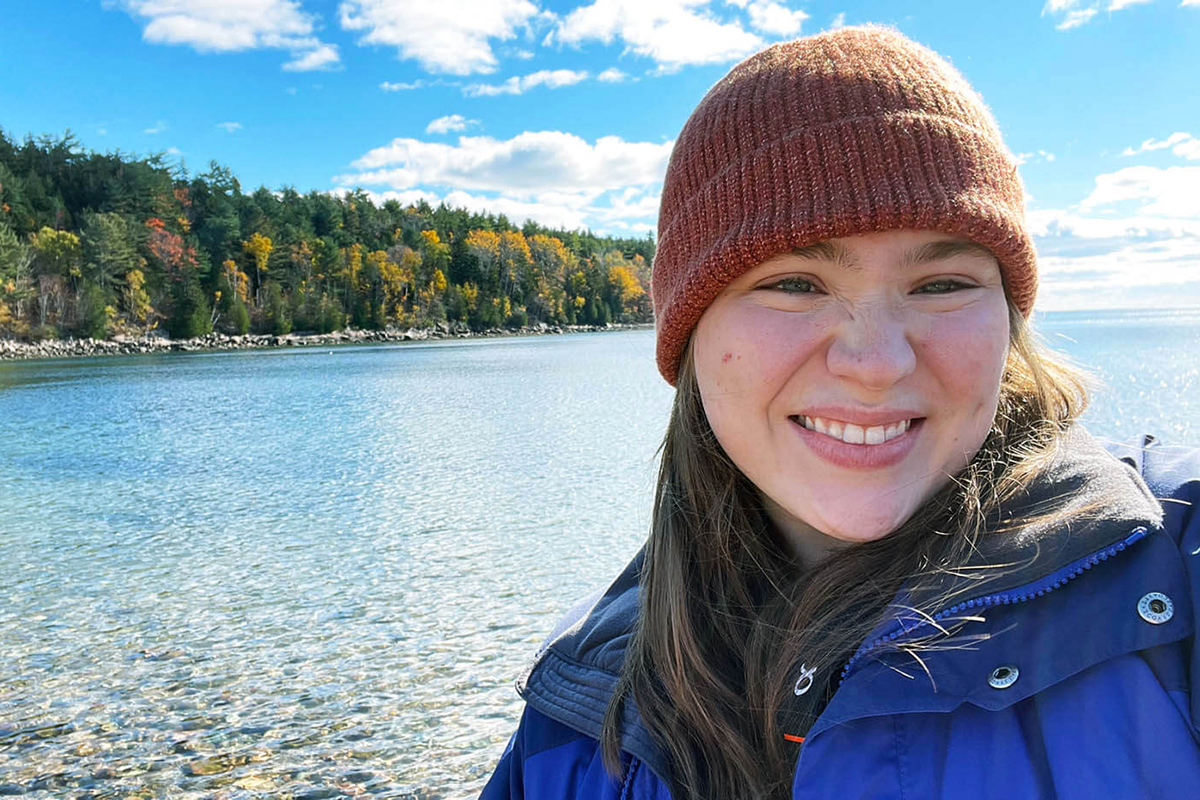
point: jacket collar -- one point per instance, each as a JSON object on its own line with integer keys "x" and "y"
{"x": 575, "y": 673}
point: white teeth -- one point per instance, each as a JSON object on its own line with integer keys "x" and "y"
{"x": 855, "y": 434}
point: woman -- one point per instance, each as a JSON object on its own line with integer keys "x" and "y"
{"x": 884, "y": 562}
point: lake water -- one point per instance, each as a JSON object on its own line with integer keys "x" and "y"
{"x": 317, "y": 573}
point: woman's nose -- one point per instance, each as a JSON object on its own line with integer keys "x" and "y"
{"x": 871, "y": 347}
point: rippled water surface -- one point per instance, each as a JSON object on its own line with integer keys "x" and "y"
{"x": 316, "y": 573}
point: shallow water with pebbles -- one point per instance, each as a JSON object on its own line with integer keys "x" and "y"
{"x": 305, "y": 574}
{"x": 317, "y": 574}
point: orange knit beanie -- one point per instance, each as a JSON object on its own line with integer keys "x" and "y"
{"x": 852, "y": 131}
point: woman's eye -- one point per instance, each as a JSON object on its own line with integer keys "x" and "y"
{"x": 793, "y": 286}
{"x": 943, "y": 286}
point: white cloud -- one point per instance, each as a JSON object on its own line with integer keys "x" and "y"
{"x": 1033, "y": 157}
{"x": 775, "y": 18}
{"x": 1086, "y": 262}
{"x": 839, "y": 21}
{"x": 1169, "y": 192}
{"x": 1075, "y": 18}
{"x": 572, "y": 212}
{"x": 1134, "y": 240}
{"x": 1189, "y": 3}
{"x": 631, "y": 203}
{"x": 1073, "y": 14}
{"x": 157, "y": 127}
{"x": 401, "y": 87}
{"x": 1189, "y": 149}
{"x": 406, "y": 198}
{"x": 569, "y": 211}
{"x": 319, "y": 57}
{"x": 230, "y": 127}
{"x": 1182, "y": 144}
{"x": 547, "y": 212}
{"x": 224, "y": 26}
{"x": 453, "y": 122}
{"x": 451, "y": 36}
{"x": 612, "y": 75}
{"x": 174, "y": 151}
{"x": 672, "y": 33}
{"x": 553, "y": 79}
{"x": 529, "y": 163}
{"x": 553, "y": 177}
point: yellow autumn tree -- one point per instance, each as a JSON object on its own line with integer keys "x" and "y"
{"x": 435, "y": 252}
{"x": 56, "y": 252}
{"x": 515, "y": 263}
{"x": 471, "y": 295}
{"x": 258, "y": 247}
{"x": 626, "y": 290}
{"x": 485, "y": 246}
{"x": 238, "y": 280}
{"x": 552, "y": 262}
{"x": 394, "y": 283}
{"x": 137, "y": 300}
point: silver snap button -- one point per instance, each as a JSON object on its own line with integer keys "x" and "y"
{"x": 1004, "y": 677}
{"x": 1156, "y": 608}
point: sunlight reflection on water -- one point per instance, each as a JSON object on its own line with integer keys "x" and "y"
{"x": 315, "y": 574}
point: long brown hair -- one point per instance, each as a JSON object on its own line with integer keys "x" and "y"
{"x": 725, "y": 606}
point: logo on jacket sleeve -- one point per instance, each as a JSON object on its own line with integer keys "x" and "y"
{"x": 805, "y": 681}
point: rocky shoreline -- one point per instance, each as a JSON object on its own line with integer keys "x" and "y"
{"x": 127, "y": 345}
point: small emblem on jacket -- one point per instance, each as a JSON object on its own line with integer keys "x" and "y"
{"x": 805, "y": 682}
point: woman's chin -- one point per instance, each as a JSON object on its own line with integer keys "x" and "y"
{"x": 825, "y": 530}
{"x": 859, "y": 528}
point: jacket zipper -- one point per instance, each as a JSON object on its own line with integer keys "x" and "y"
{"x": 1020, "y": 594}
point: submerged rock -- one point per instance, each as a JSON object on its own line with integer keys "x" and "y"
{"x": 208, "y": 766}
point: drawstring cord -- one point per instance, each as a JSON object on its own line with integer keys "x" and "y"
{"x": 627, "y": 789}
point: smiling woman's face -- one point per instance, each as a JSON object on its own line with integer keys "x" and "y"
{"x": 850, "y": 379}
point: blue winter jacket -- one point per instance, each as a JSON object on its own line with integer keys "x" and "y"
{"x": 1081, "y": 690}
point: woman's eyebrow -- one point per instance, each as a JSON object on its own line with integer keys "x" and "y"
{"x": 944, "y": 249}
{"x": 930, "y": 251}
{"x": 826, "y": 251}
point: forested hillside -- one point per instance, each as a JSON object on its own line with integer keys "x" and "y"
{"x": 96, "y": 244}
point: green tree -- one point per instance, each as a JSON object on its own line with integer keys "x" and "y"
{"x": 109, "y": 249}
{"x": 191, "y": 314}
{"x": 278, "y": 316}
{"x": 92, "y": 317}
{"x": 214, "y": 198}
{"x": 16, "y": 284}
{"x": 239, "y": 317}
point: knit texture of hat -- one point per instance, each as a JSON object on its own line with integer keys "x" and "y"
{"x": 853, "y": 131}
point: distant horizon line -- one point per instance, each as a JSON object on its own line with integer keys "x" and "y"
{"x": 1123, "y": 309}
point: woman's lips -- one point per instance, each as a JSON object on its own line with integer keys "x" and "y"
{"x": 859, "y": 456}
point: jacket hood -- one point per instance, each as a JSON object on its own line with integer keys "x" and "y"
{"x": 574, "y": 674}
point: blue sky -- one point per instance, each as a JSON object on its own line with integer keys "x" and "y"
{"x": 564, "y": 112}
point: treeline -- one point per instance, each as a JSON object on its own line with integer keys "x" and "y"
{"x": 97, "y": 244}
